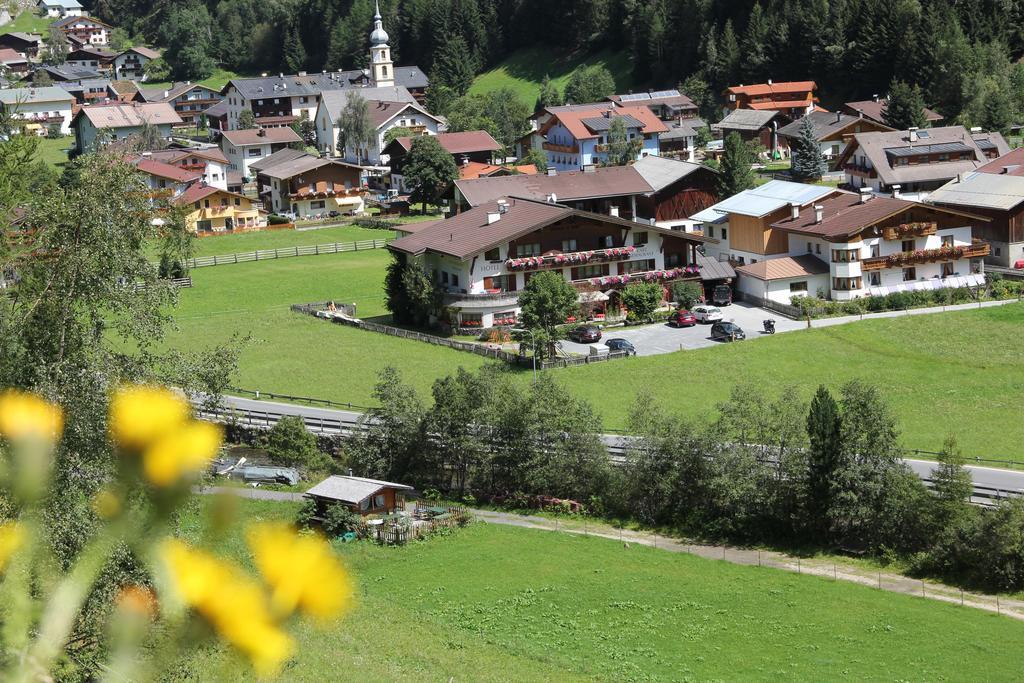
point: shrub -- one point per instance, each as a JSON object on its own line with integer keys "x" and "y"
{"x": 375, "y": 223}
{"x": 854, "y": 307}
{"x": 686, "y": 294}
{"x": 274, "y": 219}
{"x": 306, "y": 513}
{"x": 339, "y": 519}
{"x": 289, "y": 443}
{"x": 877, "y": 304}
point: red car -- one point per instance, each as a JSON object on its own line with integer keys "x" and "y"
{"x": 682, "y": 318}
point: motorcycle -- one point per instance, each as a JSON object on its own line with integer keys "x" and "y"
{"x": 769, "y": 326}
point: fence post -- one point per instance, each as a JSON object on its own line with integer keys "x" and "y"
{"x": 214, "y": 260}
{"x": 317, "y": 247}
{"x": 355, "y": 245}
{"x": 257, "y": 252}
{"x": 296, "y": 250}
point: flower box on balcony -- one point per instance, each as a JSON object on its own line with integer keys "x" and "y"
{"x": 919, "y": 229}
{"x": 649, "y": 276}
{"x": 569, "y": 258}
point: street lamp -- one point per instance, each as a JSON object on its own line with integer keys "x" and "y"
{"x": 533, "y": 341}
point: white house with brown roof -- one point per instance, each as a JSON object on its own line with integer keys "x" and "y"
{"x": 484, "y": 256}
{"x": 130, "y": 65}
{"x": 208, "y": 162}
{"x": 121, "y": 121}
{"x": 852, "y": 245}
{"x": 577, "y": 137}
{"x": 38, "y": 108}
{"x": 916, "y": 161}
{"x": 304, "y": 185}
{"x": 83, "y": 30}
{"x": 165, "y": 179}
{"x": 242, "y": 147}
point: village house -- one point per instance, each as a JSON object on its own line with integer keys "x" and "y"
{"x": 119, "y": 121}
{"x": 833, "y": 131}
{"x": 484, "y": 256}
{"x": 84, "y": 30}
{"x": 214, "y": 210}
{"x": 916, "y": 161}
{"x": 760, "y": 126}
{"x": 89, "y": 91}
{"x": 25, "y": 44}
{"x": 163, "y": 179}
{"x": 284, "y": 99}
{"x": 190, "y": 100}
{"x": 88, "y": 57}
{"x": 475, "y": 147}
{"x": 679, "y": 189}
{"x": 667, "y": 105}
{"x": 58, "y": 9}
{"x": 792, "y": 98}
{"x": 67, "y": 74}
{"x": 130, "y": 65}
{"x": 852, "y": 245}
{"x": 13, "y": 63}
{"x": 384, "y": 114}
{"x": 680, "y": 140}
{"x": 998, "y": 197}
{"x": 578, "y": 137}
{"x": 362, "y": 496}
{"x": 874, "y": 110}
{"x": 305, "y": 185}
{"x": 207, "y": 161}
{"x": 477, "y": 169}
{"x": 242, "y": 147}
{"x": 742, "y": 224}
{"x": 38, "y": 108}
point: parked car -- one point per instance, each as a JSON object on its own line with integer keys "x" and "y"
{"x": 682, "y": 318}
{"x": 707, "y": 314}
{"x": 722, "y": 296}
{"x": 727, "y": 332}
{"x": 618, "y": 344}
{"x": 585, "y": 334}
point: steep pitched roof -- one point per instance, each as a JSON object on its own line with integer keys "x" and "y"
{"x": 613, "y": 181}
{"x": 261, "y": 136}
{"x": 9, "y": 56}
{"x": 670, "y": 98}
{"x": 129, "y": 115}
{"x": 172, "y": 155}
{"x": 147, "y": 52}
{"x": 785, "y": 267}
{"x": 824, "y": 124}
{"x": 382, "y": 112}
{"x": 875, "y": 110}
{"x": 160, "y": 169}
{"x": 278, "y": 157}
{"x": 460, "y": 143}
{"x": 476, "y": 169}
{"x": 67, "y": 21}
{"x": 201, "y": 191}
{"x": 334, "y": 100}
{"x": 843, "y": 214}
{"x": 315, "y": 84}
{"x": 686, "y": 128}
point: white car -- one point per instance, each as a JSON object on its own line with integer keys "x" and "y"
{"x": 707, "y": 314}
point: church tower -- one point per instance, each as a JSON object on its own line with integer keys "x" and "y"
{"x": 380, "y": 54}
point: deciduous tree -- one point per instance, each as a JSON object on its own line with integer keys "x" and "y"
{"x": 546, "y": 302}
{"x": 589, "y": 84}
{"x": 429, "y": 170}
{"x": 355, "y": 128}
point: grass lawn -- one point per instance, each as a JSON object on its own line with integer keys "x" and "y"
{"x": 55, "y": 152}
{"x": 961, "y": 372}
{"x": 29, "y": 21}
{"x": 493, "y": 603}
{"x": 524, "y": 70}
{"x": 278, "y": 239}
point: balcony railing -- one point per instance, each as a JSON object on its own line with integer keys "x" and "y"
{"x": 860, "y": 170}
{"x": 563, "y": 149}
{"x": 922, "y": 229}
{"x": 692, "y": 270}
{"x": 572, "y": 258}
{"x": 910, "y": 258}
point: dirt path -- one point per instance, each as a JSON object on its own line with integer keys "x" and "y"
{"x": 895, "y": 583}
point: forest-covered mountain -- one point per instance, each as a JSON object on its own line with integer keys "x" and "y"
{"x": 962, "y": 53}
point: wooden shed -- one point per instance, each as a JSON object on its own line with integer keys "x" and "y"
{"x": 362, "y": 496}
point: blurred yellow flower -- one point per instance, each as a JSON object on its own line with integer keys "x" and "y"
{"x": 26, "y": 416}
{"x": 12, "y": 535}
{"x": 140, "y": 415}
{"x": 106, "y": 504}
{"x": 302, "y": 571}
{"x": 232, "y": 602}
{"x": 184, "y": 452}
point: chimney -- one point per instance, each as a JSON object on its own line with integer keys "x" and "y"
{"x": 302, "y": 73}
{"x": 839, "y": 117}
{"x": 552, "y": 198}
{"x": 896, "y": 191}
{"x": 874, "y": 98}
{"x": 912, "y": 133}
{"x": 262, "y": 132}
{"x": 613, "y": 212}
{"x": 860, "y": 113}
{"x": 167, "y": 93}
{"x": 264, "y": 74}
{"x": 552, "y": 171}
{"x": 493, "y": 217}
{"x": 819, "y": 213}
{"x": 281, "y": 76}
{"x": 794, "y": 210}
{"x": 865, "y": 195}
{"x": 1010, "y": 169}
{"x": 589, "y": 168}
{"x": 976, "y": 129}
{"x": 769, "y": 81}
{"x": 502, "y": 206}
{"x": 188, "y": 82}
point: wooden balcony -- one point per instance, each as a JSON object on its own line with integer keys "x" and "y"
{"x": 561, "y": 149}
{"x": 903, "y": 230}
{"x": 911, "y": 258}
{"x": 858, "y": 170}
{"x": 573, "y": 258}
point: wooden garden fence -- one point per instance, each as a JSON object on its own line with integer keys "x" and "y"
{"x": 287, "y": 252}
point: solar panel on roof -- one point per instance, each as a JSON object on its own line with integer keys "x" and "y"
{"x": 633, "y": 97}
{"x": 664, "y": 93}
{"x": 923, "y": 134}
{"x": 941, "y": 148}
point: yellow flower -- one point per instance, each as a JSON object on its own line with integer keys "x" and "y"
{"x": 12, "y": 535}
{"x": 26, "y": 416}
{"x": 184, "y": 452}
{"x": 231, "y": 602}
{"x": 140, "y": 415}
{"x": 302, "y": 571}
{"x": 106, "y": 504}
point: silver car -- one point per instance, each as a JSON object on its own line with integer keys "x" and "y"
{"x": 707, "y": 314}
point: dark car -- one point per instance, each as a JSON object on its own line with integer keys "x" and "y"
{"x": 585, "y": 334}
{"x": 620, "y": 345}
{"x": 722, "y": 296}
{"x": 682, "y": 318}
{"x": 727, "y": 332}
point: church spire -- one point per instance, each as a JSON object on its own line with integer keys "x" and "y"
{"x": 380, "y": 53}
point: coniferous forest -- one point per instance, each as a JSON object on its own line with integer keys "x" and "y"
{"x": 963, "y": 54}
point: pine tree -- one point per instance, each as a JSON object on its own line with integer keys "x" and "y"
{"x": 294, "y": 51}
{"x": 728, "y": 56}
{"x": 952, "y": 485}
{"x": 905, "y": 107}
{"x": 996, "y": 110}
{"x": 550, "y": 95}
{"x": 736, "y": 174}
{"x": 246, "y": 120}
{"x": 807, "y": 157}
{"x": 823, "y": 453}
{"x": 755, "y": 56}
{"x": 453, "y": 67}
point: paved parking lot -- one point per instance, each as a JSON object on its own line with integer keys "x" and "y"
{"x": 651, "y": 340}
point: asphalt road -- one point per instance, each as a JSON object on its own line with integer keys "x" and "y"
{"x": 999, "y": 480}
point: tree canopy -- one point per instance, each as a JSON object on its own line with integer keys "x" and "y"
{"x": 735, "y": 174}
{"x": 429, "y": 169}
{"x": 355, "y": 128}
{"x": 806, "y": 151}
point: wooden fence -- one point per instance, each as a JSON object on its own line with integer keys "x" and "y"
{"x": 288, "y": 252}
{"x": 485, "y": 350}
{"x": 424, "y": 525}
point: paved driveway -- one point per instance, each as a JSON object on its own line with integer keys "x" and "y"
{"x": 651, "y": 340}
